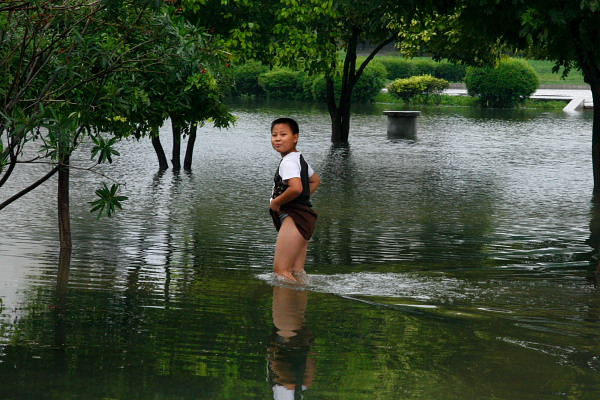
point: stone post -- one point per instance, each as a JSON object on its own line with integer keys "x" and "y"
{"x": 402, "y": 123}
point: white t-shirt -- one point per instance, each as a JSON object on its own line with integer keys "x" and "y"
{"x": 290, "y": 167}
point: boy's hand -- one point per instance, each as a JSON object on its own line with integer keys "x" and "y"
{"x": 274, "y": 206}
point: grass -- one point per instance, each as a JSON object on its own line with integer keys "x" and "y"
{"x": 466, "y": 101}
{"x": 547, "y": 77}
{"x": 544, "y": 71}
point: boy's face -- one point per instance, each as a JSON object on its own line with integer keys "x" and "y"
{"x": 283, "y": 139}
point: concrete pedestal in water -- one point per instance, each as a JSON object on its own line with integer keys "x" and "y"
{"x": 402, "y": 123}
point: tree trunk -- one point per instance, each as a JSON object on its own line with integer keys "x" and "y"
{"x": 591, "y": 75}
{"x": 64, "y": 219}
{"x": 336, "y": 126}
{"x": 341, "y": 113}
{"x": 189, "y": 151}
{"x": 160, "y": 152}
{"x": 595, "y": 85}
{"x": 596, "y": 136}
{"x": 176, "y": 155}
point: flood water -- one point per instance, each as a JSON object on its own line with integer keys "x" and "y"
{"x": 454, "y": 265}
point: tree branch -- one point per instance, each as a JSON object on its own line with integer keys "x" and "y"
{"x": 372, "y": 55}
{"x": 29, "y": 188}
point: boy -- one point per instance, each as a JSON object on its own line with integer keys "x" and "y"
{"x": 290, "y": 207}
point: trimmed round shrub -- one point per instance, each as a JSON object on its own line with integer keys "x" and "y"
{"x": 450, "y": 72}
{"x": 281, "y": 83}
{"x": 407, "y": 88}
{"x": 505, "y": 86}
{"x": 245, "y": 77}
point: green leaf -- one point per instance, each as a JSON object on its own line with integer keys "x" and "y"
{"x": 108, "y": 201}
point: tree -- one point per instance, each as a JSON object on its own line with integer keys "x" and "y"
{"x": 67, "y": 65}
{"x": 477, "y": 32}
{"x": 182, "y": 86}
{"x": 53, "y": 57}
{"x": 317, "y": 36}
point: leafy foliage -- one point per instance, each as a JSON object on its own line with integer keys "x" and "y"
{"x": 451, "y": 72}
{"x": 398, "y": 67}
{"x": 408, "y": 88}
{"x": 101, "y": 69}
{"x": 316, "y": 36}
{"x": 282, "y": 83}
{"x": 245, "y": 77}
{"x": 506, "y": 85}
{"x": 103, "y": 148}
{"x": 108, "y": 200}
{"x": 368, "y": 86}
{"x": 58, "y": 59}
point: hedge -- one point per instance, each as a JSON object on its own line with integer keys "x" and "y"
{"x": 245, "y": 78}
{"x": 397, "y": 67}
{"x": 400, "y": 68}
{"x": 369, "y": 84}
{"x": 254, "y": 78}
{"x": 283, "y": 83}
{"x": 450, "y": 71}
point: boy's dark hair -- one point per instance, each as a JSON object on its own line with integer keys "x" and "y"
{"x": 289, "y": 122}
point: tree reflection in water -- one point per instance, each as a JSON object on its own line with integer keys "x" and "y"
{"x": 291, "y": 370}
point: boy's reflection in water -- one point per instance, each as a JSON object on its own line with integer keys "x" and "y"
{"x": 290, "y": 369}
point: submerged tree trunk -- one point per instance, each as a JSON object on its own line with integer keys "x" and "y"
{"x": 596, "y": 136}
{"x": 595, "y": 86}
{"x": 64, "y": 219}
{"x": 189, "y": 151}
{"x": 341, "y": 111}
{"x": 160, "y": 152}
{"x": 176, "y": 154}
{"x": 591, "y": 75}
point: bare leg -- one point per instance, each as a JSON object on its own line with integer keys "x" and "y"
{"x": 290, "y": 250}
{"x": 298, "y": 266}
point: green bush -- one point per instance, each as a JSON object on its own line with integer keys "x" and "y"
{"x": 424, "y": 66}
{"x": 450, "y": 72}
{"x": 401, "y": 68}
{"x": 245, "y": 78}
{"x": 507, "y": 85}
{"x": 370, "y": 83}
{"x": 282, "y": 83}
{"x": 318, "y": 88}
{"x": 397, "y": 67}
{"x": 304, "y": 83}
{"x": 408, "y": 88}
{"x": 366, "y": 89}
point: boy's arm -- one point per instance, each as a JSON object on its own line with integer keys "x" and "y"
{"x": 314, "y": 181}
{"x": 294, "y": 190}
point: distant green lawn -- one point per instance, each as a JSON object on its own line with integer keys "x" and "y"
{"x": 544, "y": 71}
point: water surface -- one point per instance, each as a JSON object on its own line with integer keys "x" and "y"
{"x": 456, "y": 264}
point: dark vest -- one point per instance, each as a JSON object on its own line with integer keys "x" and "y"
{"x": 280, "y": 186}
